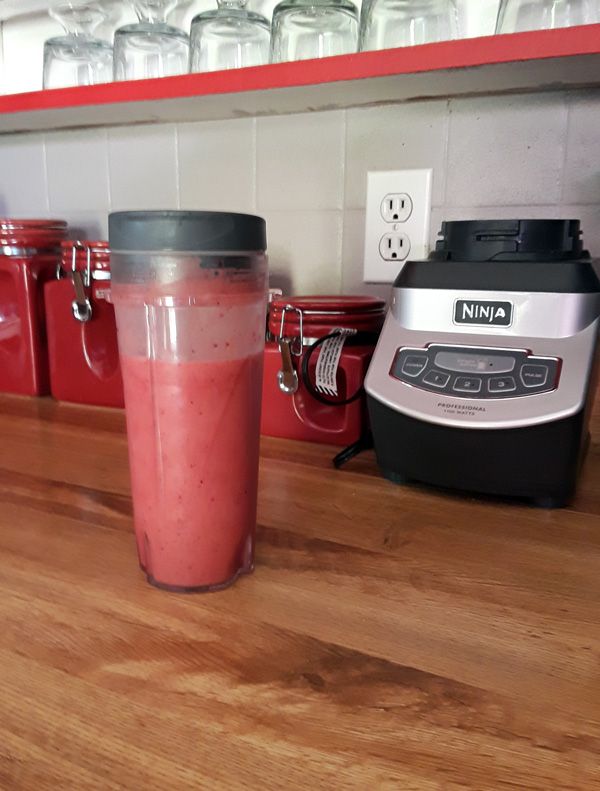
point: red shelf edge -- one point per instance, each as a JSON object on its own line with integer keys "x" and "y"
{"x": 446, "y": 55}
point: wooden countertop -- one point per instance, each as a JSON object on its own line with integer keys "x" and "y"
{"x": 390, "y": 638}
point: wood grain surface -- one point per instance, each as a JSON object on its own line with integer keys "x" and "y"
{"x": 390, "y": 638}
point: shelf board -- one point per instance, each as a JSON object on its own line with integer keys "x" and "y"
{"x": 537, "y": 61}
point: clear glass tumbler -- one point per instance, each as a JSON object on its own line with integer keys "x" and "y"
{"x": 77, "y": 58}
{"x": 189, "y": 290}
{"x": 404, "y": 23}
{"x": 304, "y": 29}
{"x": 150, "y": 48}
{"x": 519, "y": 15}
{"x": 229, "y": 37}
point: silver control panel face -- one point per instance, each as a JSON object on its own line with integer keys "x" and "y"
{"x": 472, "y": 372}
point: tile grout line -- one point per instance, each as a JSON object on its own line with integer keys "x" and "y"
{"x": 177, "y": 168}
{"x": 45, "y": 167}
{"x": 567, "y": 98}
{"x": 255, "y": 165}
{"x": 108, "y": 179}
{"x": 341, "y": 228}
{"x": 446, "y": 155}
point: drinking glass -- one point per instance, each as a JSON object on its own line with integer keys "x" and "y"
{"x": 77, "y": 58}
{"x": 150, "y": 47}
{"x": 405, "y": 23}
{"x": 229, "y": 37}
{"x": 304, "y": 29}
{"x": 518, "y": 15}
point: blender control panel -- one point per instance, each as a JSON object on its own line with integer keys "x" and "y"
{"x": 469, "y": 372}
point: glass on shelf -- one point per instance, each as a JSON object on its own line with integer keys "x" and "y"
{"x": 405, "y": 23}
{"x": 78, "y": 57}
{"x": 229, "y": 37}
{"x": 304, "y": 29}
{"x": 151, "y": 47}
{"x": 519, "y": 15}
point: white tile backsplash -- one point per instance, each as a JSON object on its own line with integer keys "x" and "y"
{"x": 77, "y": 168}
{"x": 300, "y": 162}
{"x": 506, "y": 151}
{"x": 143, "y": 167}
{"x": 582, "y": 166}
{"x": 305, "y": 250}
{"x": 491, "y": 156}
{"x": 216, "y": 165}
{"x": 353, "y": 243}
{"x": 23, "y": 191}
{"x": 398, "y": 137}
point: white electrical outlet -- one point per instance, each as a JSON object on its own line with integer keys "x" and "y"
{"x": 398, "y": 219}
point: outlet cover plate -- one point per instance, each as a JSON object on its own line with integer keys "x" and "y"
{"x": 416, "y": 184}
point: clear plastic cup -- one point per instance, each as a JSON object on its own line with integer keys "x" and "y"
{"x": 189, "y": 290}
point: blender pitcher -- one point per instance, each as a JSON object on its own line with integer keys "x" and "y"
{"x": 189, "y": 290}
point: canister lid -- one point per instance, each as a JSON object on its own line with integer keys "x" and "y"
{"x": 186, "y": 231}
{"x": 321, "y": 313}
{"x": 36, "y": 233}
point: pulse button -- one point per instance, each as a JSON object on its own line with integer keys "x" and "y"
{"x": 534, "y": 375}
{"x": 467, "y": 384}
{"x": 414, "y": 364}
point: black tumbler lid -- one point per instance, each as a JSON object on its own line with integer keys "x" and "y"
{"x": 186, "y": 231}
{"x": 505, "y": 240}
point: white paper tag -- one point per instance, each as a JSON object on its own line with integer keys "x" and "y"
{"x": 329, "y": 360}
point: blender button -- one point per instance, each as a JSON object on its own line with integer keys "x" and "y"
{"x": 414, "y": 364}
{"x": 502, "y": 384}
{"x": 467, "y": 384}
{"x": 436, "y": 379}
{"x": 534, "y": 375}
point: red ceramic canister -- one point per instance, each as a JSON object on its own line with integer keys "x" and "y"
{"x": 29, "y": 254}
{"x": 292, "y": 406}
{"x": 82, "y": 332}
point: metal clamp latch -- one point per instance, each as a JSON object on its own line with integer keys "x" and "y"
{"x": 287, "y": 378}
{"x": 81, "y": 305}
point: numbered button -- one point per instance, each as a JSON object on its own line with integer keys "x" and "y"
{"x": 502, "y": 384}
{"x": 467, "y": 384}
{"x": 436, "y": 379}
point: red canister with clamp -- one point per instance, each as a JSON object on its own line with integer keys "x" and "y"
{"x": 29, "y": 253}
{"x": 82, "y": 332}
{"x": 313, "y": 380}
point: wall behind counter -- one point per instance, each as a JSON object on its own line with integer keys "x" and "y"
{"x": 522, "y": 156}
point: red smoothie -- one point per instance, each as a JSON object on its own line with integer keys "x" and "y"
{"x": 193, "y": 401}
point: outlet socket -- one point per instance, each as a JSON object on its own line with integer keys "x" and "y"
{"x": 396, "y": 208}
{"x": 394, "y": 247}
{"x": 398, "y": 220}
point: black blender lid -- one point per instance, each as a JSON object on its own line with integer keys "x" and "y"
{"x": 506, "y": 240}
{"x": 506, "y": 255}
{"x": 186, "y": 231}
